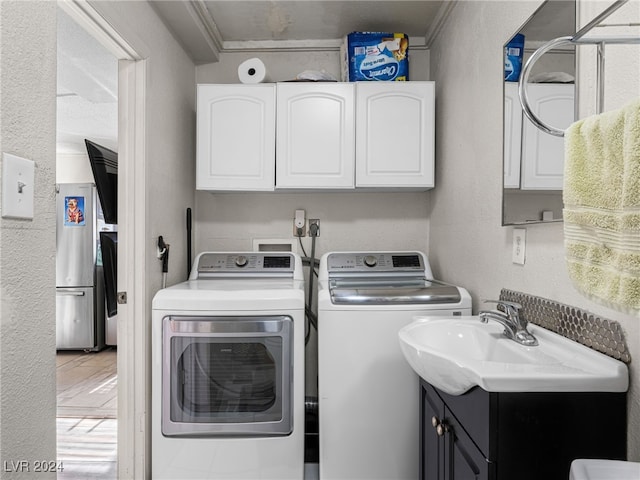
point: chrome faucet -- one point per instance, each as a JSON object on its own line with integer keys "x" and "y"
{"x": 508, "y": 315}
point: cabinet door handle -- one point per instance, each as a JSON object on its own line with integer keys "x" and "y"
{"x": 70, "y": 293}
{"x": 441, "y": 427}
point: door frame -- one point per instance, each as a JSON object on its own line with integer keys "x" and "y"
{"x": 132, "y": 450}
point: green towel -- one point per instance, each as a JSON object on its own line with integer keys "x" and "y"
{"x": 602, "y": 207}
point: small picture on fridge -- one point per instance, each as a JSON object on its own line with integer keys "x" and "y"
{"x": 74, "y": 211}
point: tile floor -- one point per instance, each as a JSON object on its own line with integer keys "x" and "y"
{"x": 87, "y": 407}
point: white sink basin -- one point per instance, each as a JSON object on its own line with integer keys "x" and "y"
{"x": 455, "y": 354}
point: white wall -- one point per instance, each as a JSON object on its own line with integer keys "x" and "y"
{"x": 170, "y": 132}
{"x": 27, "y": 247}
{"x": 73, "y": 168}
{"x": 622, "y": 84}
{"x": 466, "y": 241}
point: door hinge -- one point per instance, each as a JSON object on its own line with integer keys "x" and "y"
{"x": 122, "y": 298}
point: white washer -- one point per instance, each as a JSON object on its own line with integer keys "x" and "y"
{"x": 228, "y": 370}
{"x": 368, "y": 394}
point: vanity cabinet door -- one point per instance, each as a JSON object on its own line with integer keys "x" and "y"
{"x": 447, "y": 450}
{"x": 542, "y": 153}
{"x": 235, "y": 137}
{"x": 395, "y": 134}
{"x": 463, "y": 460}
{"x": 431, "y": 444}
{"x": 315, "y": 135}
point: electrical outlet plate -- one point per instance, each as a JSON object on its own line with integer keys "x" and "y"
{"x": 314, "y": 221}
{"x": 519, "y": 245}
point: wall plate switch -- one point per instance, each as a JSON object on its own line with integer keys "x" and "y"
{"x": 18, "y": 178}
{"x": 519, "y": 244}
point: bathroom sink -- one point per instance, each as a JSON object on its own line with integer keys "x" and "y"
{"x": 455, "y": 354}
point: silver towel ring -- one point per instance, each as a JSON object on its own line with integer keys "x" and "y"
{"x": 524, "y": 77}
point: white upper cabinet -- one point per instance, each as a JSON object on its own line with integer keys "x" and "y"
{"x": 395, "y": 134}
{"x": 542, "y": 153}
{"x": 235, "y": 137}
{"x": 315, "y": 135}
{"x": 315, "y": 145}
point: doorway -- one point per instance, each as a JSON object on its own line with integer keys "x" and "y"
{"x": 86, "y": 367}
{"x": 131, "y": 90}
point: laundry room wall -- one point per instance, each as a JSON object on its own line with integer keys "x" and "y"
{"x": 28, "y": 247}
{"x": 467, "y": 242}
{"x": 169, "y": 182}
{"x": 348, "y": 221}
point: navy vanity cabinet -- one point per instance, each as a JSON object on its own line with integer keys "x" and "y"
{"x": 447, "y": 451}
{"x": 525, "y": 436}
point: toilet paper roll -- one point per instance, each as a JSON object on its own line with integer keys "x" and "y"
{"x": 252, "y": 71}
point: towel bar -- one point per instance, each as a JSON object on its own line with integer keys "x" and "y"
{"x": 575, "y": 39}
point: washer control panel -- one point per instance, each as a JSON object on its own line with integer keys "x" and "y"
{"x": 363, "y": 262}
{"x": 251, "y": 262}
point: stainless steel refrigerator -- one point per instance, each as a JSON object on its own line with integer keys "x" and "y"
{"x": 80, "y": 300}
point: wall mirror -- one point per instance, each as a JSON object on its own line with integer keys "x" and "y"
{"x": 533, "y": 159}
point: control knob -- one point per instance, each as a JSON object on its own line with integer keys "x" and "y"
{"x": 370, "y": 261}
{"x": 241, "y": 261}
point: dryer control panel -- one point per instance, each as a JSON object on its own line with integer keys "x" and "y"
{"x": 245, "y": 263}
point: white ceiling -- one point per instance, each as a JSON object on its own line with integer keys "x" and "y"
{"x": 87, "y": 96}
{"x": 205, "y": 28}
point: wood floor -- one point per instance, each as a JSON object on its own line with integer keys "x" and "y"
{"x": 87, "y": 409}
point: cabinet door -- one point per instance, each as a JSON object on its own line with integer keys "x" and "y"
{"x": 395, "y": 134}
{"x": 235, "y": 137}
{"x": 512, "y": 135}
{"x": 542, "y": 153}
{"x": 316, "y": 137}
{"x": 431, "y": 444}
{"x": 463, "y": 460}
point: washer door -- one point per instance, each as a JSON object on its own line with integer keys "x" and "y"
{"x": 227, "y": 376}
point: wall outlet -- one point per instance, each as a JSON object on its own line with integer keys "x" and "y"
{"x": 519, "y": 244}
{"x": 314, "y": 227}
{"x": 299, "y": 223}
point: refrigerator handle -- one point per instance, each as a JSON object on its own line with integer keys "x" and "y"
{"x": 71, "y": 293}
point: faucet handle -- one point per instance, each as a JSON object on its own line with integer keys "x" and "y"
{"x": 512, "y": 309}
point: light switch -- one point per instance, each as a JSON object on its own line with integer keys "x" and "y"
{"x": 18, "y": 178}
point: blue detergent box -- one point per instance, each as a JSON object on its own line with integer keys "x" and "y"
{"x": 513, "y": 53}
{"x": 375, "y": 56}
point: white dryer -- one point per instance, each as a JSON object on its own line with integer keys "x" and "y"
{"x": 228, "y": 370}
{"x": 367, "y": 392}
